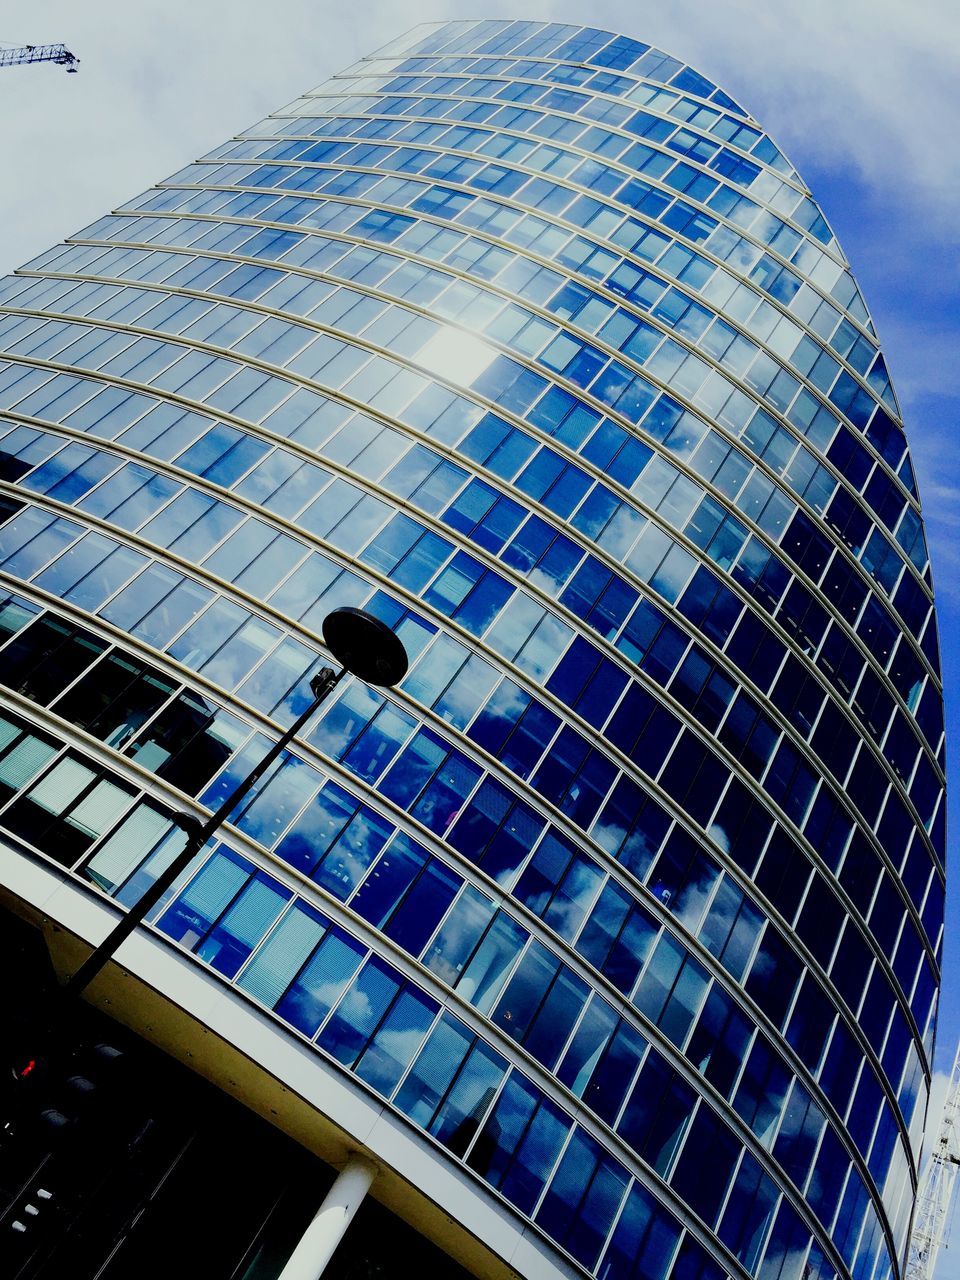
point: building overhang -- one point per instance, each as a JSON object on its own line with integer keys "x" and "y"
{"x": 191, "y": 1014}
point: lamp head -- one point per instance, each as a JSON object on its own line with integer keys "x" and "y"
{"x": 365, "y": 646}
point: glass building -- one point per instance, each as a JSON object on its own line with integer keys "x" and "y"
{"x": 612, "y": 934}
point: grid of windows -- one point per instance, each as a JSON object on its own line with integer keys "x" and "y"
{"x": 526, "y": 339}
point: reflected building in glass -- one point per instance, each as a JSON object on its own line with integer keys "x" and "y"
{"x": 612, "y": 935}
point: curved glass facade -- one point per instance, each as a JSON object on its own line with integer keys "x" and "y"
{"x": 528, "y": 340}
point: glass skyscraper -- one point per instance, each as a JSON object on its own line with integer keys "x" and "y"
{"x": 612, "y": 934}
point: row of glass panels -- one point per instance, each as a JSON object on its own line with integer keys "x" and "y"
{"x": 375, "y": 1021}
{"x": 96, "y": 566}
{"x": 332, "y": 837}
{"x": 921, "y": 781}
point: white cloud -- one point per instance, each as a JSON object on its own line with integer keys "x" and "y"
{"x": 933, "y": 362}
{"x": 865, "y": 87}
{"x": 866, "y": 83}
{"x": 871, "y": 83}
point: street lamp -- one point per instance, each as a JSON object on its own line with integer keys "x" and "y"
{"x": 365, "y": 647}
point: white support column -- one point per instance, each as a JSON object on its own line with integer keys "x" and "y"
{"x": 319, "y": 1242}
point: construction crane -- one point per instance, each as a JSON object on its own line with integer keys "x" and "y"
{"x": 931, "y": 1224}
{"x": 56, "y": 53}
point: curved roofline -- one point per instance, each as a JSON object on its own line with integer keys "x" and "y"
{"x": 682, "y": 66}
{"x": 399, "y": 45}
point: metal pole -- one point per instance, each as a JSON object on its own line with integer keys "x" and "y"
{"x": 198, "y": 833}
{"x": 319, "y": 1242}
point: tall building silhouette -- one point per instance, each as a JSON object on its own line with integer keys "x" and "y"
{"x": 611, "y": 935}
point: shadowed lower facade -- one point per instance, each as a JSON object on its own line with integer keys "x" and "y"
{"x": 612, "y": 935}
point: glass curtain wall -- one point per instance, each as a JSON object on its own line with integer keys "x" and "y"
{"x": 528, "y": 340}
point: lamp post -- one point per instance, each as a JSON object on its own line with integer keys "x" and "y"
{"x": 51, "y": 1087}
{"x": 365, "y": 647}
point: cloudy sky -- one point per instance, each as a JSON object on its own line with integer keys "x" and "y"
{"x": 862, "y": 95}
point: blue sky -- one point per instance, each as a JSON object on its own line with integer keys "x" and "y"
{"x": 862, "y": 95}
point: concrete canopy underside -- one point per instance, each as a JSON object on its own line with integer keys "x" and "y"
{"x": 210, "y": 1028}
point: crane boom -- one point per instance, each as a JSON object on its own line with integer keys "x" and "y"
{"x": 56, "y": 53}
{"x": 936, "y": 1187}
